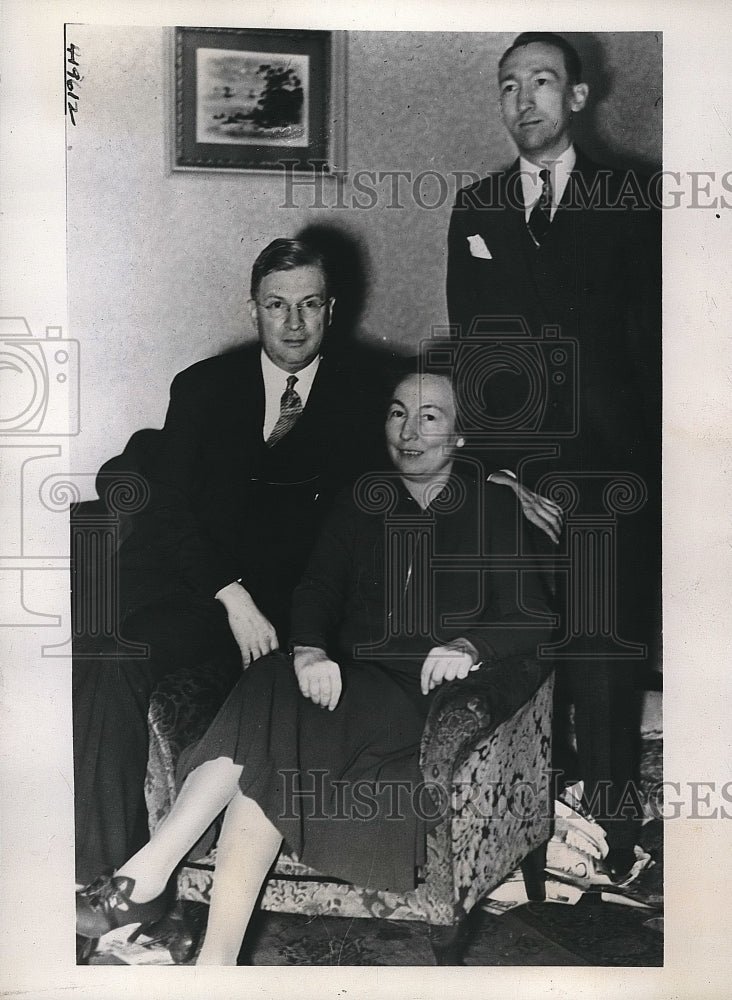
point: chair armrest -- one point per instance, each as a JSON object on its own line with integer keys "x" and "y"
{"x": 486, "y": 737}
{"x": 466, "y": 711}
{"x": 182, "y": 707}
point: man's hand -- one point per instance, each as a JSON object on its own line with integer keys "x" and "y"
{"x": 447, "y": 663}
{"x": 545, "y": 514}
{"x": 254, "y": 634}
{"x": 319, "y": 678}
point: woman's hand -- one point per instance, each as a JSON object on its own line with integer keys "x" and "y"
{"x": 319, "y": 678}
{"x": 254, "y": 634}
{"x": 545, "y": 514}
{"x": 447, "y": 663}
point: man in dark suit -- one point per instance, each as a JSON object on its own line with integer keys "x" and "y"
{"x": 558, "y": 242}
{"x": 255, "y": 445}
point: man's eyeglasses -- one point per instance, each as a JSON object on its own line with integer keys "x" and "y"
{"x": 307, "y": 309}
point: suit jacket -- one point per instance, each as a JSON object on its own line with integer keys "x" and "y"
{"x": 223, "y": 505}
{"x": 597, "y": 277}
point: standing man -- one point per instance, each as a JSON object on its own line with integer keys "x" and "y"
{"x": 255, "y": 445}
{"x": 559, "y": 241}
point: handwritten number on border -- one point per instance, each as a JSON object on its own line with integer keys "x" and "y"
{"x": 72, "y": 79}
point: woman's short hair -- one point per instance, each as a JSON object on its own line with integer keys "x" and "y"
{"x": 403, "y": 367}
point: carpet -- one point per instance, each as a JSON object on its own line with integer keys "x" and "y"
{"x": 590, "y": 933}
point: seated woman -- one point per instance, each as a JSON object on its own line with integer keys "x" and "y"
{"x": 321, "y": 749}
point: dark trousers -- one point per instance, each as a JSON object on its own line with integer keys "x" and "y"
{"x": 111, "y": 698}
{"x": 606, "y": 724}
{"x": 607, "y": 693}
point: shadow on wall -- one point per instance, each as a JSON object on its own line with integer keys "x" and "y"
{"x": 588, "y": 126}
{"x": 348, "y": 265}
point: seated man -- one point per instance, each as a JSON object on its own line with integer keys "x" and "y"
{"x": 255, "y": 445}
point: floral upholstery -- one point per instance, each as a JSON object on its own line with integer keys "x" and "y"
{"x": 182, "y": 708}
{"x": 486, "y": 745}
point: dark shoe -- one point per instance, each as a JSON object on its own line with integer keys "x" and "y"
{"x": 617, "y": 864}
{"x": 177, "y": 931}
{"x": 105, "y": 904}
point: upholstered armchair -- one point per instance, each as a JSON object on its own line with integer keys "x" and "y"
{"x": 486, "y": 749}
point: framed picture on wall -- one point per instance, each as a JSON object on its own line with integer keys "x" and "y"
{"x": 259, "y": 99}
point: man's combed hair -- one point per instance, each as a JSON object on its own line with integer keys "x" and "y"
{"x": 572, "y": 61}
{"x": 284, "y": 255}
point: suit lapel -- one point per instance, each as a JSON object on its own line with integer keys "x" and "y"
{"x": 320, "y": 408}
{"x": 573, "y": 202}
{"x": 518, "y": 247}
{"x": 318, "y": 399}
{"x": 569, "y": 230}
{"x": 248, "y": 400}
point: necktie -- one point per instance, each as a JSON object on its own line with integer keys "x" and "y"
{"x": 290, "y": 410}
{"x": 541, "y": 214}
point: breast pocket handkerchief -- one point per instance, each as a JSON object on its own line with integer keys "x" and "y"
{"x": 478, "y": 248}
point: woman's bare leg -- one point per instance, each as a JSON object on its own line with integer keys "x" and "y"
{"x": 247, "y": 847}
{"x": 204, "y": 794}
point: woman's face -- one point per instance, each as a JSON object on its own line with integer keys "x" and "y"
{"x": 420, "y": 426}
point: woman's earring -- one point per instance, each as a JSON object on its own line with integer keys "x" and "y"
{"x": 460, "y": 442}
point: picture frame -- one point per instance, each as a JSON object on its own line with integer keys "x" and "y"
{"x": 259, "y": 100}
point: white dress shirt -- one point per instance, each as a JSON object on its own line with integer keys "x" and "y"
{"x": 531, "y": 185}
{"x": 275, "y": 383}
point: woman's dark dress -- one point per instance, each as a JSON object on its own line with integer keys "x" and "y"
{"x": 386, "y": 582}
